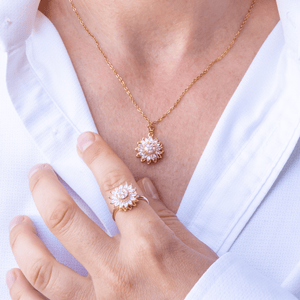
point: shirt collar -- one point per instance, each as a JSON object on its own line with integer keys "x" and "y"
{"x": 289, "y": 11}
{"x": 55, "y": 113}
{"x": 47, "y": 95}
{"x": 17, "y": 21}
{"x": 250, "y": 145}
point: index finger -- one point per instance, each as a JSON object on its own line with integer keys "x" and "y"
{"x": 111, "y": 172}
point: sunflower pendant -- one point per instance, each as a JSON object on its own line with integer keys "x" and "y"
{"x": 149, "y": 149}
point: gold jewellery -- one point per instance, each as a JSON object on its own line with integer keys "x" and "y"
{"x": 150, "y": 149}
{"x": 124, "y": 198}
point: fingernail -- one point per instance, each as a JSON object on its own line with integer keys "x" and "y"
{"x": 85, "y": 140}
{"x": 38, "y": 167}
{"x": 15, "y": 221}
{"x": 10, "y": 279}
{"x": 150, "y": 188}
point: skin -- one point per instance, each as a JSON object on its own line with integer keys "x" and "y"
{"x": 158, "y": 47}
{"x": 158, "y": 260}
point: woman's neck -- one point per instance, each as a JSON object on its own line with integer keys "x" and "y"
{"x": 154, "y": 30}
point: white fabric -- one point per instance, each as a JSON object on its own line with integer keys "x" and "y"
{"x": 231, "y": 278}
{"x": 243, "y": 198}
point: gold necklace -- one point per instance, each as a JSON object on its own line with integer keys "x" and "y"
{"x": 150, "y": 149}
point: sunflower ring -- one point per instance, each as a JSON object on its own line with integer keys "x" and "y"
{"x": 124, "y": 198}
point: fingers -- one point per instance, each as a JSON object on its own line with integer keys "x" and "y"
{"x": 110, "y": 172}
{"x": 75, "y": 230}
{"x": 43, "y": 272}
{"x": 20, "y": 288}
{"x": 171, "y": 220}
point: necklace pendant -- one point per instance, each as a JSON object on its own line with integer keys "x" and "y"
{"x": 149, "y": 149}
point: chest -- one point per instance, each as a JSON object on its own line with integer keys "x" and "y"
{"x": 184, "y": 133}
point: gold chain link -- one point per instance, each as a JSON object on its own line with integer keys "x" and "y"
{"x": 151, "y": 124}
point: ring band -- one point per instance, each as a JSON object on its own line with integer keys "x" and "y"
{"x": 124, "y": 198}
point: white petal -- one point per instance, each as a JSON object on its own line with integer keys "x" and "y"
{"x": 130, "y": 202}
{"x": 126, "y": 204}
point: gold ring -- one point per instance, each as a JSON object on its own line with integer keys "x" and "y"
{"x": 124, "y": 198}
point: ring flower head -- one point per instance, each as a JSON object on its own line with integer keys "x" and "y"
{"x": 124, "y": 197}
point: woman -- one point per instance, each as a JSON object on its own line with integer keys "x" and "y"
{"x": 228, "y": 169}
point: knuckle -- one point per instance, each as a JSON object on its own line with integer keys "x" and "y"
{"x": 146, "y": 248}
{"x": 171, "y": 221}
{"x": 37, "y": 181}
{"x": 15, "y": 235}
{"x": 121, "y": 283}
{"x": 92, "y": 153}
{"x": 17, "y": 293}
{"x": 114, "y": 178}
{"x": 61, "y": 218}
{"x": 155, "y": 247}
{"x": 152, "y": 226}
{"x": 171, "y": 244}
{"x": 40, "y": 274}
{"x": 165, "y": 213}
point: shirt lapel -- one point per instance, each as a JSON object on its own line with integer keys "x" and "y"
{"x": 248, "y": 148}
{"x": 46, "y": 93}
{"x": 252, "y": 141}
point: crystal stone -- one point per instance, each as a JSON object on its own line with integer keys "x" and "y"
{"x": 124, "y": 196}
{"x": 149, "y": 149}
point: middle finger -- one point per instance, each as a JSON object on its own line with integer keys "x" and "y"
{"x": 84, "y": 239}
{"x": 110, "y": 172}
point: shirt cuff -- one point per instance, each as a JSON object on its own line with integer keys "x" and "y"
{"x": 230, "y": 278}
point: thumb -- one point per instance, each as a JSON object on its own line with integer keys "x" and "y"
{"x": 171, "y": 220}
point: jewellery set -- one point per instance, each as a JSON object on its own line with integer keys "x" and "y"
{"x": 124, "y": 198}
{"x": 149, "y": 149}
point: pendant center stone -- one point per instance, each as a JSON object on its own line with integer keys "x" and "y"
{"x": 123, "y": 194}
{"x": 150, "y": 149}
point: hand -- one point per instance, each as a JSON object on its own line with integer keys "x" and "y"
{"x": 152, "y": 257}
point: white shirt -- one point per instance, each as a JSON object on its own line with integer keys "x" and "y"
{"x": 243, "y": 199}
